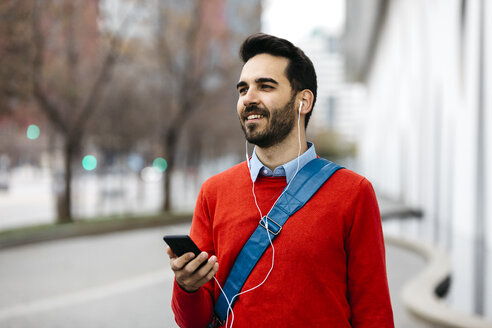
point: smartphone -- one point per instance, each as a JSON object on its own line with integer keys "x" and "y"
{"x": 181, "y": 244}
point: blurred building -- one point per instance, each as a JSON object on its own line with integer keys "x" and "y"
{"x": 337, "y": 104}
{"x": 427, "y": 139}
{"x": 336, "y": 117}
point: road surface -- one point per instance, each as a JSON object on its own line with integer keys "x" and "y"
{"x": 117, "y": 280}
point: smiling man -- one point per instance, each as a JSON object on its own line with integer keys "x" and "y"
{"x": 262, "y": 127}
{"x": 325, "y": 265}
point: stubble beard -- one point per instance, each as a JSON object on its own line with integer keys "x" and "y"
{"x": 280, "y": 124}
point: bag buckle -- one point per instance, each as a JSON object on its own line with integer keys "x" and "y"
{"x": 273, "y": 229}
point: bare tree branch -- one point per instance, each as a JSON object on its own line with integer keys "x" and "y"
{"x": 51, "y": 110}
{"x": 97, "y": 88}
{"x": 72, "y": 55}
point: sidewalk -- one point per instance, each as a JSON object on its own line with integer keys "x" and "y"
{"x": 403, "y": 265}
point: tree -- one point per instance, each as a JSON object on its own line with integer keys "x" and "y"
{"x": 69, "y": 73}
{"x": 193, "y": 42}
{"x": 15, "y": 53}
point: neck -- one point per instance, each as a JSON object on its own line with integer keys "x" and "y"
{"x": 282, "y": 152}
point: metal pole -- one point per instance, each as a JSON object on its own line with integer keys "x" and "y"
{"x": 480, "y": 257}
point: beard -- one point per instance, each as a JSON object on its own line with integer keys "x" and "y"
{"x": 280, "y": 123}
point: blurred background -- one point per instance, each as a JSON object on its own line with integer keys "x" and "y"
{"x": 119, "y": 109}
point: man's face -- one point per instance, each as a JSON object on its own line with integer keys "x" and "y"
{"x": 266, "y": 105}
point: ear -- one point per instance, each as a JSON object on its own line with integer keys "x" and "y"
{"x": 307, "y": 97}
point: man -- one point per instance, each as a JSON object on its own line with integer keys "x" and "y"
{"x": 327, "y": 266}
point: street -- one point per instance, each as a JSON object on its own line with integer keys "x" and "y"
{"x": 114, "y": 280}
{"x": 117, "y": 280}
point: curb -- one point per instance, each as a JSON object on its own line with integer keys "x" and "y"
{"x": 19, "y": 237}
{"x": 419, "y": 294}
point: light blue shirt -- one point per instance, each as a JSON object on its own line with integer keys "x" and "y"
{"x": 287, "y": 170}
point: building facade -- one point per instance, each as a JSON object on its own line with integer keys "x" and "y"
{"x": 427, "y": 136}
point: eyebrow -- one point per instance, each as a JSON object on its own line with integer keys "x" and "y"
{"x": 258, "y": 80}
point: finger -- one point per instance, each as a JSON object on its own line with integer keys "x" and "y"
{"x": 193, "y": 281}
{"x": 170, "y": 253}
{"x": 209, "y": 275}
{"x": 180, "y": 262}
{"x": 207, "y": 270}
{"x": 195, "y": 264}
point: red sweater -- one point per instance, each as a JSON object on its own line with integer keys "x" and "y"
{"x": 329, "y": 268}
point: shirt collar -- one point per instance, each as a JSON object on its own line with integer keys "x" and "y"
{"x": 288, "y": 170}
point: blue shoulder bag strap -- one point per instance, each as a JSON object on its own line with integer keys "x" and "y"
{"x": 304, "y": 185}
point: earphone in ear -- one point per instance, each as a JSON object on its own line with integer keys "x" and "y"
{"x": 300, "y": 106}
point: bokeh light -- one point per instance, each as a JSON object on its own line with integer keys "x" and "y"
{"x": 89, "y": 162}
{"x": 33, "y": 132}
{"x": 160, "y": 164}
{"x": 135, "y": 162}
{"x": 150, "y": 174}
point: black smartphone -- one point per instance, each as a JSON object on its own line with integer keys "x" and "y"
{"x": 181, "y": 244}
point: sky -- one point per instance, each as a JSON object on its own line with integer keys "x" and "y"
{"x": 294, "y": 20}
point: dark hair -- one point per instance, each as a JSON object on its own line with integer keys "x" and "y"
{"x": 300, "y": 70}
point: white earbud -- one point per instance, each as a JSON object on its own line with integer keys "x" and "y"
{"x": 300, "y": 106}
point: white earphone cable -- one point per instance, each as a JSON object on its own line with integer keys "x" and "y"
{"x": 229, "y": 302}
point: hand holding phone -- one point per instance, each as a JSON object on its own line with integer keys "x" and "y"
{"x": 191, "y": 272}
{"x": 181, "y": 244}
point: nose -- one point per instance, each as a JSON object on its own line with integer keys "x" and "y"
{"x": 250, "y": 98}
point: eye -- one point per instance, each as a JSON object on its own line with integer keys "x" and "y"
{"x": 266, "y": 87}
{"x": 242, "y": 90}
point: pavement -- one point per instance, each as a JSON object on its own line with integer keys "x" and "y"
{"x": 402, "y": 266}
{"x": 120, "y": 279}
